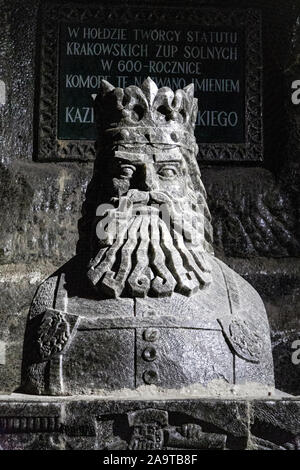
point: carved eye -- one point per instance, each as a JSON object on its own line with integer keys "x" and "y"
{"x": 127, "y": 171}
{"x": 168, "y": 171}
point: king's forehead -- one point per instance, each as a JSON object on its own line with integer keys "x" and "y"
{"x": 149, "y": 154}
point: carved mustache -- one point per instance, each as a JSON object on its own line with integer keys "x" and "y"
{"x": 136, "y": 196}
{"x": 177, "y": 212}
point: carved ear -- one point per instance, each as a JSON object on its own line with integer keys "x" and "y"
{"x": 189, "y": 89}
{"x": 106, "y": 87}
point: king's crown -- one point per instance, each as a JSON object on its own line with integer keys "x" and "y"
{"x": 147, "y": 114}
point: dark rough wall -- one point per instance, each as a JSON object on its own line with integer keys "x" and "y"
{"x": 255, "y": 209}
{"x": 17, "y": 48}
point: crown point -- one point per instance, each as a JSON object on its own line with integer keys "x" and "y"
{"x": 150, "y": 89}
{"x": 106, "y": 87}
{"x": 189, "y": 89}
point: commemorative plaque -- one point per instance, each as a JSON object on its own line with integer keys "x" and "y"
{"x": 217, "y": 50}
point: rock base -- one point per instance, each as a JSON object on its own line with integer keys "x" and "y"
{"x": 98, "y": 423}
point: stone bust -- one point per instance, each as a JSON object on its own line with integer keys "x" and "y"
{"x": 145, "y": 301}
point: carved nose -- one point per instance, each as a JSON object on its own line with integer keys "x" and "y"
{"x": 149, "y": 182}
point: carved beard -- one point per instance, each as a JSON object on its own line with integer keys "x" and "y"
{"x": 146, "y": 255}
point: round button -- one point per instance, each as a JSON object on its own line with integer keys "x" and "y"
{"x": 151, "y": 334}
{"x": 150, "y": 376}
{"x": 149, "y": 354}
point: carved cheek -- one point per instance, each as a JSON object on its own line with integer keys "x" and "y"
{"x": 175, "y": 186}
{"x": 120, "y": 185}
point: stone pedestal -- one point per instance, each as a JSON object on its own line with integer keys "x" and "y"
{"x": 99, "y": 423}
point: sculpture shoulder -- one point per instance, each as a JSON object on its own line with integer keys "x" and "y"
{"x": 44, "y": 296}
{"x": 242, "y": 295}
{"x": 247, "y": 328}
{"x": 71, "y": 274}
